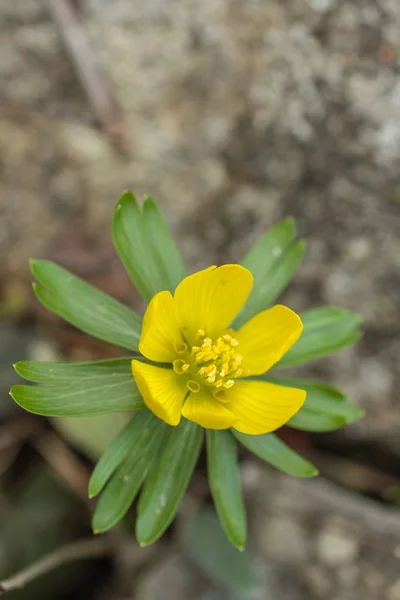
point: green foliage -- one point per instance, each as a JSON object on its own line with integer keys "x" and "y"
{"x": 270, "y": 448}
{"x": 124, "y": 484}
{"x": 77, "y": 389}
{"x": 326, "y": 330}
{"x": 147, "y": 451}
{"x": 119, "y": 449}
{"x": 224, "y": 478}
{"x": 325, "y": 408}
{"x": 167, "y": 481}
{"x": 84, "y": 306}
{"x": 273, "y": 261}
{"x": 146, "y": 247}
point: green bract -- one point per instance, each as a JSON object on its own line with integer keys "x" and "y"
{"x": 147, "y": 451}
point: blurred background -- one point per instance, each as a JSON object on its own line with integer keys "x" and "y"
{"x": 233, "y": 115}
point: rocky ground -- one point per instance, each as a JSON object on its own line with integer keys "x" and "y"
{"x": 234, "y": 114}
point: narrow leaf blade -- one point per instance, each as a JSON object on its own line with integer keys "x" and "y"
{"x": 163, "y": 248}
{"x": 124, "y": 484}
{"x": 224, "y": 479}
{"x": 167, "y": 482}
{"x": 308, "y": 420}
{"x": 80, "y": 389}
{"x": 85, "y": 307}
{"x": 58, "y": 373}
{"x": 115, "y": 454}
{"x": 264, "y": 254}
{"x": 272, "y": 450}
{"x": 326, "y": 330}
{"x": 146, "y": 247}
{"x": 322, "y": 400}
{"x": 272, "y": 260}
{"x": 80, "y": 398}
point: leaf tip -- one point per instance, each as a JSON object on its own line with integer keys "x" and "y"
{"x": 96, "y": 527}
{"x": 301, "y": 245}
{"x": 148, "y": 202}
{"x": 290, "y": 221}
{"x": 359, "y": 413}
{"x": 126, "y": 196}
{"x": 33, "y": 264}
{"x": 18, "y": 367}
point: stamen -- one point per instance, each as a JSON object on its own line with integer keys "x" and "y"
{"x": 179, "y": 366}
{"x": 180, "y": 347}
{"x": 193, "y": 386}
{"x": 221, "y": 395}
{"x": 216, "y": 361}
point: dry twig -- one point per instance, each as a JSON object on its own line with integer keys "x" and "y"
{"x": 83, "y": 549}
{"x": 88, "y": 71}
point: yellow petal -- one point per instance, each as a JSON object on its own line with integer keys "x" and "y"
{"x": 209, "y": 300}
{"x": 160, "y": 329}
{"x": 267, "y": 337}
{"x": 261, "y": 407}
{"x": 163, "y": 390}
{"x": 206, "y": 411}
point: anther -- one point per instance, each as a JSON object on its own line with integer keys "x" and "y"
{"x": 221, "y": 395}
{"x": 180, "y": 347}
{"x": 193, "y": 386}
{"x": 179, "y": 366}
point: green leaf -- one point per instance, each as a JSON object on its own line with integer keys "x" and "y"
{"x": 124, "y": 484}
{"x": 146, "y": 247}
{"x": 115, "y": 454}
{"x": 167, "y": 482}
{"x": 273, "y": 261}
{"x": 165, "y": 252}
{"x": 85, "y": 388}
{"x": 224, "y": 480}
{"x": 325, "y": 408}
{"x": 308, "y": 420}
{"x": 58, "y": 373}
{"x": 81, "y": 304}
{"x": 207, "y": 546}
{"x": 326, "y": 330}
{"x": 270, "y": 448}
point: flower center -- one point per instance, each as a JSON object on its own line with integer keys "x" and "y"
{"x": 213, "y": 364}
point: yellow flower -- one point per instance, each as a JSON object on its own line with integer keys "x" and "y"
{"x": 190, "y": 331}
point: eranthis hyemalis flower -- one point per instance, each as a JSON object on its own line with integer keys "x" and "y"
{"x": 205, "y": 363}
